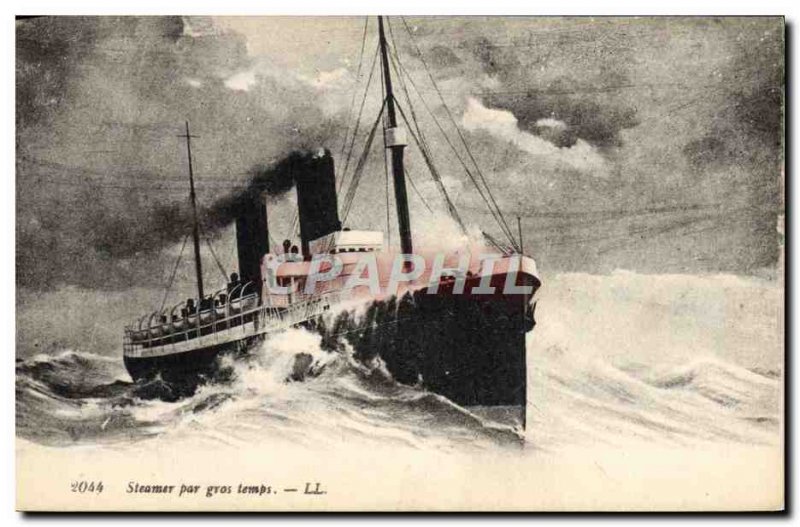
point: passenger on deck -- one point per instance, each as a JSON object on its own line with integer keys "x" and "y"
{"x": 234, "y": 283}
{"x": 290, "y": 253}
{"x": 190, "y": 307}
{"x": 205, "y": 303}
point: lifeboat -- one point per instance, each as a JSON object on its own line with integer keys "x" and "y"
{"x": 139, "y": 334}
{"x": 242, "y": 298}
{"x": 157, "y": 329}
{"x": 206, "y": 317}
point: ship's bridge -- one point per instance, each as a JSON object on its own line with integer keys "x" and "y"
{"x": 293, "y": 266}
{"x": 348, "y": 241}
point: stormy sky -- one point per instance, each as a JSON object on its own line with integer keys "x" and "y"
{"x": 653, "y": 145}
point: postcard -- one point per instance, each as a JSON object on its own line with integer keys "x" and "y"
{"x": 404, "y": 263}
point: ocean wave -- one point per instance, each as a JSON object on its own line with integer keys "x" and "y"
{"x": 613, "y": 359}
{"x": 289, "y": 386}
{"x": 706, "y": 400}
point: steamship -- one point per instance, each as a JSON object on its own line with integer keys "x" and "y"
{"x": 456, "y": 326}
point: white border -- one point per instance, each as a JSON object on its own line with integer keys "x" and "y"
{"x": 417, "y": 7}
{"x": 791, "y": 9}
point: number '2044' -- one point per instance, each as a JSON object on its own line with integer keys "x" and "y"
{"x": 87, "y": 487}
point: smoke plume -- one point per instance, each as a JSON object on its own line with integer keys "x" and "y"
{"x": 270, "y": 181}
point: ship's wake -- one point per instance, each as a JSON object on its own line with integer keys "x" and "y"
{"x": 664, "y": 379}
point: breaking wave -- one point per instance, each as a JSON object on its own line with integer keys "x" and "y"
{"x": 288, "y": 389}
{"x": 609, "y": 373}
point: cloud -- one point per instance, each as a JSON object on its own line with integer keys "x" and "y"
{"x": 325, "y": 79}
{"x": 561, "y": 81}
{"x": 503, "y": 125}
{"x": 443, "y": 57}
{"x": 242, "y": 81}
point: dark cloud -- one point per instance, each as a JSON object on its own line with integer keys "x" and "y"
{"x": 46, "y": 49}
{"x": 708, "y": 150}
{"x": 746, "y": 135}
{"x": 752, "y": 108}
{"x": 495, "y": 60}
{"x": 758, "y": 81}
{"x": 580, "y": 99}
{"x": 101, "y": 174}
{"x": 442, "y": 57}
{"x": 593, "y": 121}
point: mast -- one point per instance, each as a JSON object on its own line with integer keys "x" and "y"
{"x": 198, "y": 267}
{"x": 396, "y": 142}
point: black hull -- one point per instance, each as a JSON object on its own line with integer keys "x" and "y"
{"x": 468, "y": 349}
{"x": 184, "y": 372}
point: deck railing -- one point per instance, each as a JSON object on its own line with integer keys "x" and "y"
{"x": 265, "y": 318}
{"x": 229, "y": 311}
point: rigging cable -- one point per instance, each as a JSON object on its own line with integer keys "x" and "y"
{"x": 420, "y": 140}
{"x": 437, "y": 178}
{"x": 358, "y": 77}
{"x": 351, "y": 191}
{"x": 347, "y": 202}
{"x": 214, "y": 254}
{"x": 172, "y": 276}
{"x": 490, "y": 202}
{"x": 417, "y": 192}
{"x": 494, "y": 210}
{"x": 501, "y": 219}
{"x": 358, "y": 119}
{"x": 295, "y": 217}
